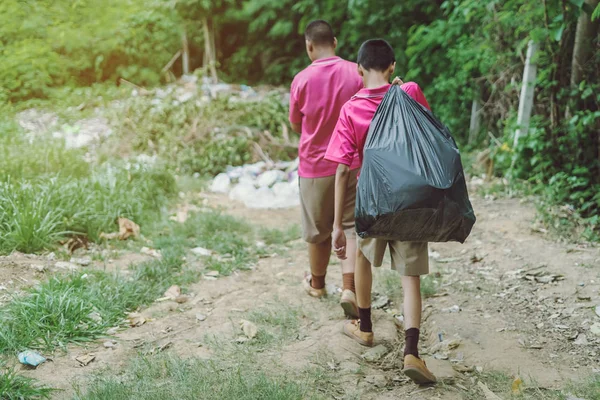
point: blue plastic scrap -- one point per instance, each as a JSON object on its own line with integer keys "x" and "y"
{"x": 32, "y": 358}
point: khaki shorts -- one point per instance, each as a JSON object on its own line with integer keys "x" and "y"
{"x": 408, "y": 258}
{"x": 317, "y": 199}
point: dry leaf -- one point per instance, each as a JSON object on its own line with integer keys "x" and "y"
{"x": 85, "y": 359}
{"x": 249, "y": 329}
{"x": 135, "y": 320}
{"x": 128, "y": 228}
{"x": 517, "y": 386}
{"x": 463, "y": 368}
{"x": 173, "y": 292}
{"x": 109, "y": 236}
{"x": 151, "y": 252}
{"x": 489, "y": 395}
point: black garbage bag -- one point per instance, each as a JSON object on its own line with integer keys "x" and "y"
{"x": 412, "y": 185}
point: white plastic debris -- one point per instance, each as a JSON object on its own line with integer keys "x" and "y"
{"x": 269, "y": 178}
{"x": 261, "y": 185}
{"x": 201, "y": 251}
{"x": 220, "y": 184}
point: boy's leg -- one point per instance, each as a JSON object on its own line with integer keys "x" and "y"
{"x": 411, "y": 286}
{"x": 348, "y": 300}
{"x": 318, "y": 257}
{"x": 411, "y": 259}
{"x": 317, "y": 204}
{"x": 364, "y": 283}
{"x": 369, "y": 250}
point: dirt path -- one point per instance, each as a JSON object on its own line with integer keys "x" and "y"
{"x": 526, "y": 307}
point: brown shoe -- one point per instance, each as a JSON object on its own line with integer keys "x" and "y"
{"x": 416, "y": 369}
{"x": 352, "y": 330}
{"x": 318, "y": 293}
{"x": 349, "y": 305}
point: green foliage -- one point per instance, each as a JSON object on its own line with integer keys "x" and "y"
{"x": 203, "y": 137}
{"x": 66, "y": 43}
{"x": 16, "y": 387}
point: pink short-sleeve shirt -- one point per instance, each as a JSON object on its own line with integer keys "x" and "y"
{"x": 350, "y": 133}
{"x": 316, "y": 98}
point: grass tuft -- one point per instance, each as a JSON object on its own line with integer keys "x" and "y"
{"x": 79, "y": 308}
{"x": 280, "y": 237}
{"x": 166, "y": 377}
{"x": 17, "y": 387}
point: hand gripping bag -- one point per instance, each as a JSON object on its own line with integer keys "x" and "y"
{"x": 412, "y": 186}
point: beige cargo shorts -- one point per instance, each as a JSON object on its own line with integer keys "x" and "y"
{"x": 408, "y": 258}
{"x": 317, "y": 201}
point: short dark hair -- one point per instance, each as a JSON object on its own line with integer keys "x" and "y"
{"x": 320, "y": 33}
{"x": 376, "y": 54}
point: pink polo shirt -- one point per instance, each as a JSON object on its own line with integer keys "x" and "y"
{"x": 350, "y": 133}
{"x": 316, "y": 97}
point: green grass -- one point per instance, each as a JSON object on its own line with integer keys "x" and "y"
{"x": 232, "y": 239}
{"x": 430, "y": 285}
{"x": 501, "y": 384}
{"x": 280, "y": 237}
{"x": 388, "y": 282}
{"x": 65, "y": 309}
{"x": 17, "y": 387}
{"x": 166, "y": 377}
{"x": 277, "y": 323}
{"x": 35, "y": 214}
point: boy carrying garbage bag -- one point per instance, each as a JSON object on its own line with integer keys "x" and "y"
{"x": 376, "y": 63}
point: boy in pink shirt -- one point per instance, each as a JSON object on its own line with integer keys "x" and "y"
{"x": 376, "y": 63}
{"x": 316, "y": 97}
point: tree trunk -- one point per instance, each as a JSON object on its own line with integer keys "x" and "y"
{"x": 527, "y": 92}
{"x": 583, "y": 49}
{"x": 209, "y": 52}
{"x": 185, "y": 59}
{"x": 475, "y": 120}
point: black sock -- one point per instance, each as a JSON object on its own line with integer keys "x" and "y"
{"x": 412, "y": 342}
{"x": 364, "y": 315}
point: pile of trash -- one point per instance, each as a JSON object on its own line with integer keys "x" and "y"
{"x": 261, "y": 185}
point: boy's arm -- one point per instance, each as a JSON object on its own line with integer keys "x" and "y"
{"x": 341, "y": 150}
{"x": 295, "y": 115}
{"x": 338, "y": 237}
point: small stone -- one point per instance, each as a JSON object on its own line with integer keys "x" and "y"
{"x": 454, "y": 309}
{"x": 110, "y": 344}
{"x": 201, "y": 251}
{"x": 595, "y": 329}
{"x": 379, "y": 381}
{"x": 201, "y": 317}
{"x": 66, "y": 265}
{"x": 380, "y": 302}
{"x": 584, "y": 297}
{"x": 51, "y": 257}
{"x": 182, "y": 299}
{"x": 349, "y": 367}
{"x": 540, "y": 325}
{"x": 95, "y": 316}
{"x": 581, "y": 340}
{"x": 84, "y": 261}
{"x": 38, "y": 268}
{"x": 598, "y": 310}
{"x": 375, "y": 354}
